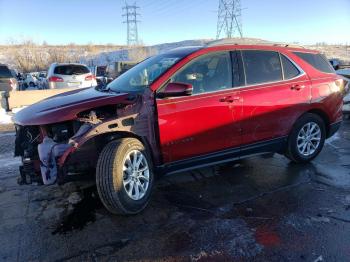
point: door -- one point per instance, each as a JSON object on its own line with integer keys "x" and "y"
{"x": 277, "y": 92}
{"x": 206, "y": 121}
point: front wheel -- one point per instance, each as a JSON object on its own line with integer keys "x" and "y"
{"x": 307, "y": 138}
{"x": 124, "y": 176}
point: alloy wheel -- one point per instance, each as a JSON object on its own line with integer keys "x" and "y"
{"x": 135, "y": 175}
{"x": 309, "y": 138}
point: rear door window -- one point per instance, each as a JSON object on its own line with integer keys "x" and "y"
{"x": 261, "y": 66}
{"x": 289, "y": 69}
{"x": 71, "y": 70}
{"x": 5, "y": 72}
{"x": 318, "y": 61}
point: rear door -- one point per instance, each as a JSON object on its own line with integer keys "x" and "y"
{"x": 277, "y": 92}
{"x": 208, "y": 120}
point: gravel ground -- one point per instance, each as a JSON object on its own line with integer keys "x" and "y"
{"x": 262, "y": 208}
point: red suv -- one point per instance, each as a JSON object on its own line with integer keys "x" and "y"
{"x": 183, "y": 109}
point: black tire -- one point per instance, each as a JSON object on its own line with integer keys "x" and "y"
{"x": 110, "y": 174}
{"x": 293, "y": 152}
{"x": 31, "y": 84}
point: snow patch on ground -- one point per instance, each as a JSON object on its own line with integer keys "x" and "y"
{"x": 5, "y": 118}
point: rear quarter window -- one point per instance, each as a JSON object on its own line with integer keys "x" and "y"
{"x": 289, "y": 69}
{"x": 5, "y": 72}
{"x": 318, "y": 61}
{"x": 71, "y": 70}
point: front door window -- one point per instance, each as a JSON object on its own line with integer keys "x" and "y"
{"x": 208, "y": 73}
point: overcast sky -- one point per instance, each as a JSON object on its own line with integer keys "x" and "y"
{"x": 84, "y": 21}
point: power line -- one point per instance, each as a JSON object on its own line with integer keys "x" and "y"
{"x": 130, "y": 13}
{"x": 229, "y": 19}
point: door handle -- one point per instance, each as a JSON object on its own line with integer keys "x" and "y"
{"x": 229, "y": 99}
{"x": 297, "y": 87}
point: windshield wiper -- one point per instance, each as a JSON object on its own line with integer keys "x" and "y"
{"x": 109, "y": 90}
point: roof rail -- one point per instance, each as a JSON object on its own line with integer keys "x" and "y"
{"x": 243, "y": 42}
{"x": 288, "y": 45}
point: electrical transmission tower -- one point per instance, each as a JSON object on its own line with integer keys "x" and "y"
{"x": 229, "y": 18}
{"x": 130, "y": 13}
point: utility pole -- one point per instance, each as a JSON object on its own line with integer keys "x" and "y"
{"x": 229, "y": 19}
{"x": 130, "y": 14}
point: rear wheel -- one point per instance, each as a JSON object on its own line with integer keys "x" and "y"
{"x": 306, "y": 139}
{"x": 124, "y": 176}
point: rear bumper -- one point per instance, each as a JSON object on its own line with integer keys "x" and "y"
{"x": 333, "y": 128}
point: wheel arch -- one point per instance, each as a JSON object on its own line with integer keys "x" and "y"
{"x": 103, "y": 139}
{"x": 323, "y": 116}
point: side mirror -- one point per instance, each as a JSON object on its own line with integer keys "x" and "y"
{"x": 176, "y": 89}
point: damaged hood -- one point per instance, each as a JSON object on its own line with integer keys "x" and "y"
{"x": 66, "y": 106}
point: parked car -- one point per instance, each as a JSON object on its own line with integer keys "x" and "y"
{"x": 42, "y": 80}
{"x": 8, "y": 81}
{"x": 70, "y": 75}
{"x": 30, "y": 80}
{"x": 344, "y": 72}
{"x": 335, "y": 63}
{"x": 116, "y": 69}
{"x": 101, "y": 74}
{"x": 183, "y": 109}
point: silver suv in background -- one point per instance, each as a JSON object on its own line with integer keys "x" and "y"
{"x": 8, "y": 81}
{"x": 70, "y": 75}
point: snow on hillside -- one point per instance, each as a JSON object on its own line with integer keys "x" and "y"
{"x": 104, "y": 55}
{"x": 125, "y": 54}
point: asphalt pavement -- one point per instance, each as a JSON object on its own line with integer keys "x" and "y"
{"x": 258, "y": 209}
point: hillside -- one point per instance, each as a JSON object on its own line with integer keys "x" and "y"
{"x": 31, "y": 57}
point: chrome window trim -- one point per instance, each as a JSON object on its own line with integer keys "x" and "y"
{"x": 238, "y": 88}
{"x": 280, "y": 57}
{"x": 192, "y": 61}
{"x": 232, "y": 89}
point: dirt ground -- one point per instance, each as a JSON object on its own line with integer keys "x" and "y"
{"x": 258, "y": 209}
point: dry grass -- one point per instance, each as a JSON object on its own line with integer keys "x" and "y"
{"x": 29, "y": 57}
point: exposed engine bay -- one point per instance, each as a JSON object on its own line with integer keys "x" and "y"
{"x": 63, "y": 151}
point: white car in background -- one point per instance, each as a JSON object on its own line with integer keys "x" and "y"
{"x": 30, "y": 81}
{"x": 70, "y": 75}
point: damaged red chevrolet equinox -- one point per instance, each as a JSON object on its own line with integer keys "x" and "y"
{"x": 183, "y": 109}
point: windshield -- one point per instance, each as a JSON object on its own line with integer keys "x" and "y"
{"x": 143, "y": 74}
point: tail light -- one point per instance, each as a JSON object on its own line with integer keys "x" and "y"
{"x": 90, "y": 78}
{"x": 55, "y": 79}
{"x": 339, "y": 85}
